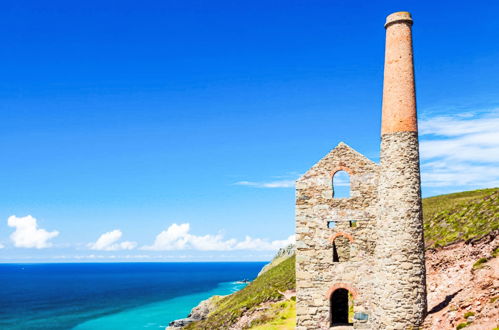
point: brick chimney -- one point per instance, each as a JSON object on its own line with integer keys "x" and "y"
{"x": 401, "y": 277}
{"x": 399, "y": 94}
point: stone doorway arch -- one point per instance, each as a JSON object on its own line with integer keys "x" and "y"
{"x": 341, "y": 299}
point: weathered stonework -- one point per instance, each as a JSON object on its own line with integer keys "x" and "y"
{"x": 400, "y": 284}
{"x": 372, "y": 258}
{"x": 317, "y": 274}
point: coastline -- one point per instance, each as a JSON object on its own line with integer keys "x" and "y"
{"x": 206, "y": 306}
{"x": 158, "y": 314}
{"x": 198, "y": 313}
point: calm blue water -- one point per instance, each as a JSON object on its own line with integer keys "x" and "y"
{"x": 113, "y": 295}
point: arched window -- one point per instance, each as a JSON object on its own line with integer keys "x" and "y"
{"x": 341, "y": 247}
{"x": 341, "y": 307}
{"x": 341, "y": 185}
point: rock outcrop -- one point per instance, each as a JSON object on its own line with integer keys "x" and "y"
{"x": 281, "y": 255}
{"x": 198, "y": 313}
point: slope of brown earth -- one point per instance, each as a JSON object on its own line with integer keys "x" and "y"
{"x": 461, "y": 292}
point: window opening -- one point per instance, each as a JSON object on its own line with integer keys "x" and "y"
{"x": 341, "y": 185}
{"x": 341, "y": 249}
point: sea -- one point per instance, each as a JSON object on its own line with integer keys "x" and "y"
{"x": 111, "y": 296}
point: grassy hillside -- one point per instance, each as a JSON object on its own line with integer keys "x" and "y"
{"x": 264, "y": 288}
{"x": 280, "y": 316}
{"x": 460, "y": 216}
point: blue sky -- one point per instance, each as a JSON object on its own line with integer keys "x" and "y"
{"x": 123, "y": 118}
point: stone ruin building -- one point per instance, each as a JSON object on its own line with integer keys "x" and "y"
{"x": 360, "y": 260}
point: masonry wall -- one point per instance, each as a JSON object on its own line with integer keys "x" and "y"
{"x": 317, "y": 276}
{"x": 401, "y": 289}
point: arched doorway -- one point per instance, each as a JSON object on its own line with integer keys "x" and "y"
{"x": 341, "y": 306}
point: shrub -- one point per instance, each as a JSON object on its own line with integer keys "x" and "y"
{"x": 468, "y": 314}
{"x": 479, "y": 263}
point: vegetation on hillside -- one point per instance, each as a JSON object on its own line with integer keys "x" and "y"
{"x": 280, "y": 316}
{"x": 266, "y": 287}
{"x": 460, "y": 216}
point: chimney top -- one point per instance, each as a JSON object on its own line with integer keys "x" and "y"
{"x": 398, "y": 17}
{"x": 399, "y": 94}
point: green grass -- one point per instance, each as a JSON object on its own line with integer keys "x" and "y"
{"x": 462, "y": 325}
{"x": 468, "y": 314}
{"x": 460, "y": 216}
{"x": 479, "y": 263}
{"x": 280, "y": 316}
{"x": 351, "y": 303}
{"x": 264, "y": 288}
{"x": 482, "y": 261}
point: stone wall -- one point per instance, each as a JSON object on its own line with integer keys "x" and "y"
{"x": 401, "y": 287}
{"x": 317, "y": 275}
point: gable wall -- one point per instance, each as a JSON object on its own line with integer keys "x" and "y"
{"x": 317, "y": 275}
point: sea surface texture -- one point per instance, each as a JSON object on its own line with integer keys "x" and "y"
{"x": 111, "y": 295}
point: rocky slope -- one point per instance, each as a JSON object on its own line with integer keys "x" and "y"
{"x": 463, "y": 285}
{"x": 198, "y": 313}
{"x": 281, "y": 255}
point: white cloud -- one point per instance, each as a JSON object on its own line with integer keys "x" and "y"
{"x": 270, "y": 184}
{"x": 1, "y": 246}
{"x": 109, "y": 242}
{"x": 460, "y": 150}
{"x": 177, "y": 237}
{"x": 460, "y": 124}
{"x": 341, "y": 179}
{"x": 262, "y": 245}
{"x": 27, "y": 233}
{"x": 174, "y": 238}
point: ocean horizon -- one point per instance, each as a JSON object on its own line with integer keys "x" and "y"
{"x": 112, "y": 295}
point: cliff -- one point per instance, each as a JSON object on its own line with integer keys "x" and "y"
{"x": 282, "y": 254}
{"x": 263, "y": 299}
{"x": 198, "y": 313}
{"x": 241, "y": 309}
